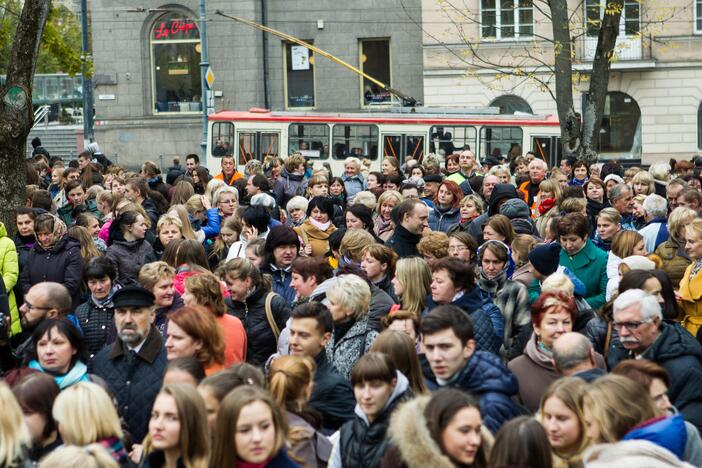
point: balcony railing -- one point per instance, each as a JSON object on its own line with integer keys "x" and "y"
{"x": 626, "y": 48}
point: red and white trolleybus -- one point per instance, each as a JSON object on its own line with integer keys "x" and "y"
{"x": 332, "y": 137}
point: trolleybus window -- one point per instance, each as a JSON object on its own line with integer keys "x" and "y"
{"x": 257, "y": 145}
{"x": 311, "y": 140}
{"x": 360, "y": 141}
{"x": 498, "y": 141}
{"x": 452, "y": 139}
{"x": 222, "y": 139}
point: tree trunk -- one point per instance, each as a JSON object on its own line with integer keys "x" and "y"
{"x": 599, "y": 79}
{"x": 562, "y": 49}
{"x": 16, "y": 112}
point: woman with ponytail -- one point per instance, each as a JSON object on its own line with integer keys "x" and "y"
{"x": 291, "y": 379}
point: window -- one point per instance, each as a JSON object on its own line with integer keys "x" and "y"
{"x": 698, "y": 16}
{"x": 375, "y": 61}
{"x": 620, "y": 134}
{"x": 175, "y": 64}
{"x": 506, "y": 19}
{"x": 312, "y": 140}
{"x": 510, "y": 104}
{"x": 360, "y": 141}
{"x": 299, "y": 76}
{"x": 222, "y": 138}
{"x": 499, "y": 141}
{"x": 630, "y": 24}
{"x": 451, "y": 139}
{"x": 257, "y": 145}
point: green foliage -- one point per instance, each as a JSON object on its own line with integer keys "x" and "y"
{"x": 60, "y": 48}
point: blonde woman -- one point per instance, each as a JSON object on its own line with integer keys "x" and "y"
{"x": 523, "y": 270}
{"x": 691, "y": 283}
{"x": 672, "y": 251}
{"x": 412, "y": 284}
{"x": 91, "y": 456}
{"x": 608, "y": 225}
{"x": 561, "y": 414}
{"x": 200, "y": 209}
{"x": 384, "y": 226}
{"x": 14, "y": 434}
{"x": 642, "y": 183}
{"x": 186, "y": 228}
{"x": 85, "y": 415}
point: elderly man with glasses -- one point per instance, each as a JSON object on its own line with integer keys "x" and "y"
{"x": 643, "y": 334}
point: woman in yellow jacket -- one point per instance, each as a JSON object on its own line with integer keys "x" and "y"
{"x": 9, "y": 269}
{"x": 691, "y": 283}
{"x": 318, "y": 226}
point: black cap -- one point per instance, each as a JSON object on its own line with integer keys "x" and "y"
{"x": 133, "y": 296}
{"x": 545, "y": 258}
{"x": 698, "y": 161}
{"x": 438, "y": 178}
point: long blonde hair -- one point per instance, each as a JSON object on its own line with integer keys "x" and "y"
{"x": 415, "y": 276}
{"x": 570, "y": 391}
{"x": 85, "y": 414}
{"x": 182, "y": 212}
{"x": 288, "y": 380}
{"x": 14, "y": 434}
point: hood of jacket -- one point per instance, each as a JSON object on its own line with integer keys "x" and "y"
{"x": 536, "y": 355}
{"x": 130, "y": 245}
{"x": 632, "y": 454}
{"x": 499, "y": 193}
{"x": 470, "y": 301}
{"x": 486, "y": 373}
{"x": 515, "y": 208}
{"x": 666, "y": 431}
{"x": 291, "y": 177}
{"x": 64, "y": 243}
{"x": 673, "y": 342}
{"x": 400, "y": 389}
{"x": 315, "y": 233}
{"x": 492, "y": 285}
{"x": 3, "y": 230}
{"x": 524, "y": 226}
{"x": 408, "y": 432}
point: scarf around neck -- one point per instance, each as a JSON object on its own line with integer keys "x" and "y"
{"x": 77, "y": 373}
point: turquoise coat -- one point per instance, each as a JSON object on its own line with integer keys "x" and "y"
{"x": 590, "y": 267}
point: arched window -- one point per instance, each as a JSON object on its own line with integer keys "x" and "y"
{"x": 620, "y": 135}
{"x": 699, "y": 126}
{"x": 510, "y": 104}
{"x": 175, "y": 64}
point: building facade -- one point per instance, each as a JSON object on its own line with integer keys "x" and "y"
{"x": 654, "y": 109}
{"x": 148, "y": 88}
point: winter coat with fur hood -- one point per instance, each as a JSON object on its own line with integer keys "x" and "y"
{"x": 412, "y": 446}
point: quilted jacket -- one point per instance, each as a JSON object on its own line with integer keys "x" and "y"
{"x": 349, "y": 349}
{"x": 134, "y": 379}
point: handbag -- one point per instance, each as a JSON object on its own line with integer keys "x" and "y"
{"x": 269, "y": 314}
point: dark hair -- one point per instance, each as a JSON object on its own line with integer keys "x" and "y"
{"x": 84, "y": 218}
{"x": 572, "y": 191}
{"x": 642, "y": 371}
{"x": 335, "y": 239}
{"x": 373, "y": 366}
{"x": 191, "y": 252}
{"x": 140, "y": 185}
{"x": 170, "y": 252}
{"x": 401, "y": 350}
{"x": 98, "y": 268}
{"x": 193, "y": 156}
{"x": 449, "y": 316}
{"x": 378, "y": 175}
{"x": 394, "y": 179}
{"x": 521, "y": 442}
{"x": 279, "y": 236}
{"x": 260, "y": 181}
{"x": 237, "y": 375}
{"x": 318, "y": 312}
{"x": 72, "y": 184}
{"x": 36, "y": 393}
{"x": 64, "y": 327}
{"x": 257, "y": 216}
{"x": 188, "y": 364}
{"x": 313, "y": 266}
{"x": 120, "y": 224}
{"x": 574, "y": 224}
{"x": 440, "y": 410}
{"x": 635, "y": 279}
{"x": 580, "y": 163}
{"x": 405, "y": 207}
{"x": 23, "y": 210}
{"x": 323, "y": 204}
{"x": 41, "y": 199}
{"x": 462, "y": 274}
{"x": 363, "y": 213}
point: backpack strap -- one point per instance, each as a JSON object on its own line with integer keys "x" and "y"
{"x": 269, "y": 314}
{"x": 608, "y": 338}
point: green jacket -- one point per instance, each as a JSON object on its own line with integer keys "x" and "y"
{"x": 67, "y": 213}
{"x": 590, "y": 267}
{"x": 10, "y": 275}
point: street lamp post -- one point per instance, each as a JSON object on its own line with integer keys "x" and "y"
{"x": 87, "y": 81}
{"x": 204, "y": 65}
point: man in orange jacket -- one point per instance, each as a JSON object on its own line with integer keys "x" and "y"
{"x": 530, "y": 188}
{"x": 229, "y": 173}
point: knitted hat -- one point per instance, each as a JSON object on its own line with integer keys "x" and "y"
{"x": 614, "y": 177}
{"x": 545, "y": 258}
{"x": 639, "y": 262}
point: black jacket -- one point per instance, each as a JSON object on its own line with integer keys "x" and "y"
{"x": 134, "y": 380}
{"x": 23, "y": 245}
{"x": 403, "y": 242}
{"x": 261, "y": 341}
{"x": 128, "y": 257}
{"x": 681, "y": 355}
{"x": 61, "y": 264}
{"x": 332, "y": 395}
{"x": 152, "y": 211}
{"x": 98, "y": 325}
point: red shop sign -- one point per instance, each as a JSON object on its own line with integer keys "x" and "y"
{"x": 179, "y": 29}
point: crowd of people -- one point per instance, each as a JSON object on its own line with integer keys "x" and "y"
{"x": 440, "y": 313}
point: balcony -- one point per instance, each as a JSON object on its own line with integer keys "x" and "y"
{"x": 627, "y": 48}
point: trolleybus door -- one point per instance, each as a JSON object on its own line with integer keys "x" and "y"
{"x": 547, "y": 148}
{"x": 403, "y": 146}
{"x": 257, "y": 145}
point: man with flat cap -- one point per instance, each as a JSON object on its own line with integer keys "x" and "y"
{"x": 134, "y": 364}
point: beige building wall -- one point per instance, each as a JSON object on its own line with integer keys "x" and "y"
{"x": 661, "y": 69}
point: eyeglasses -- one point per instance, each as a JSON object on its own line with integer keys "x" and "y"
{"x": 457, "y": 248}
{"x": 31, "y": 306}
{"x": 631, "y": 326}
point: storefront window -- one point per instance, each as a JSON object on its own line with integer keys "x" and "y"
{"x": 299, "y": 76}
{"x": 360, "y": 141}
{"x": 175, "y": 58}
{"x": 375, "y": 61}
